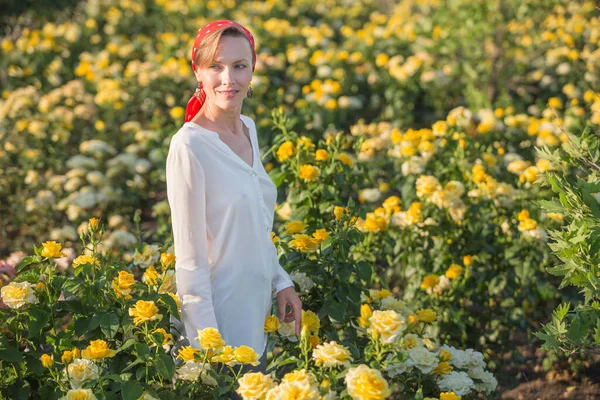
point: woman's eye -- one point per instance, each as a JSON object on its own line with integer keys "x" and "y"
{"x": 241, "y": 65}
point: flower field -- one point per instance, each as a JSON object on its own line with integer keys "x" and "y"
{"x": 437, "y": 166}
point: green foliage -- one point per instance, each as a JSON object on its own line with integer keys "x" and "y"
{"x": 576, "y": 184}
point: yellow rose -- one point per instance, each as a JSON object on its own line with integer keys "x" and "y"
{"x": 467, "y": 260}
{"x": 449, "y": 396}
{"x": 313, "y": 341}
{"x": 187, "y": 353}
{"x": 285, "y": 151}
{"x": 294, "y": 227}
{"x": 339, "y": 212}
{"x": 93, "y": 224}
{"x": 331, "y": 355}
{"x": 17, "y": 294}
{"x": 176, "y": 299}
{"x": 303, "y": 243}
{"x": 176, "y": 112}
{"x": 366, "y": 383}
{"x": 430, "y": 281}
{"x": 254, "y": 385}
{"x": 246, "y": 355}
{"x": 321, "y": 155}
{"x": 210, "y": 339}
{"x": 445, "y": 355}
{"x": 345, "y": 159}
{"x": 365, "y": 313}
{"x": 226, "y": 356}
{"x": 52, "y": 250}
{"x": 80, "y": 394}
{"x": 167, "y": 260}
{"x": 86, "y": 259}
{"x": 375, "y": 223}
{"x": 150, "y": 276}
{"x": 380, "y": 294}
{"x": 271, "y": 323}
{"x": 67, "y": 356}
{"x": 167, "y": 337}
{"x": 274, "y": 238}
{"x": 311, "y": 321}
{"x": 122, "y": 284}
{"x": 144, "y": 311}
{"x": 97, "y": 350}
{"x": 454, "y": 271}
{"x": 309, "y": 173}
{"x": 47, "y": 360}
{"x": 426, "y": 315}
{"x": 443, "y": 368}
{"x": 386, "y": 325}
{"x": 320, "y": 235}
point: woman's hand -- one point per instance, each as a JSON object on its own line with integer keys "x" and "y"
{"x": 288, "y": 297}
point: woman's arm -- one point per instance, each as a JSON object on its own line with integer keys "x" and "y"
{"x": 187, "y": 199}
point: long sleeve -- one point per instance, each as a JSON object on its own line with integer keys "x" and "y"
{"x": 281, "y": 280}
{"x": 187, "y": 199}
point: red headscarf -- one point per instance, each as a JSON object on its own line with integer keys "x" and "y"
{"x": 197, "y": 100}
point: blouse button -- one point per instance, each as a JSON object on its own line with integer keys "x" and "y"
{"x": 254, "y": 173}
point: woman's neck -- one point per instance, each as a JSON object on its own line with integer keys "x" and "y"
{"x": 222, "y": 121}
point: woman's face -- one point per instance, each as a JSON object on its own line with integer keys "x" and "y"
{"x": 225, "y": 81}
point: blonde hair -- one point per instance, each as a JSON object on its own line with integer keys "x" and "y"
{"x": 207, "y": 50}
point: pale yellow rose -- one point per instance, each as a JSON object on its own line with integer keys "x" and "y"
{"x": 17, "y": 294}
{"x": 386, "y": 325}
{"x": 254, "y": 385}
{"x": 81, "y": 371}
{"x": 366, "y": 383}
{"x": 80, "y": 394}
{"x": 331, "y": 354}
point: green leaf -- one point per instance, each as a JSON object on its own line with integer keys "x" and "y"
{"x": 131, "y": 390}
{"x": 336, "y": 310}
{"x": 577, "y": 331}
{"x": 26, "y": 261}
{"x": 38, "y": 319}
{"x": 165, "y": 365}
{"x": 364, "y": 271}
{"x": 143, "y": 351}
{"x": 11, "y": 355}
{"x": 109, "y": 323}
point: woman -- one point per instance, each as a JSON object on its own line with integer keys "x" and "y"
{"x": 222, "y": 201}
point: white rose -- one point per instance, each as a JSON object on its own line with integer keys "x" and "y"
{"x": 303, "y": 280}
{"x": 422, "y": 358}
{"x": 80, "y": 371}
{"x": 391, "y": 303}
{"x": 370, "y": 195}
{"x": 457, "y": 382}
{"x": 288, "y": 330}
{"x": 191, "y": 370}
{"x": 487, "y": 382}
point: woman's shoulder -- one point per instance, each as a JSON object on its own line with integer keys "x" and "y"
{"x": 189, "y": 135}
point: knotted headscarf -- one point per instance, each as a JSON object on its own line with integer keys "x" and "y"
{"x": 198, "y": 98}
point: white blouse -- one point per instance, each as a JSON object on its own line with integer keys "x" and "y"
{"x": 222, "y": 215}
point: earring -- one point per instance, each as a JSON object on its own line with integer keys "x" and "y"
{"x": 250, "y": 92}
{"x": 198, "y": 90}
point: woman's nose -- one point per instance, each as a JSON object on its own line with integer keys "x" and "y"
{"x": 227, "y": 75}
